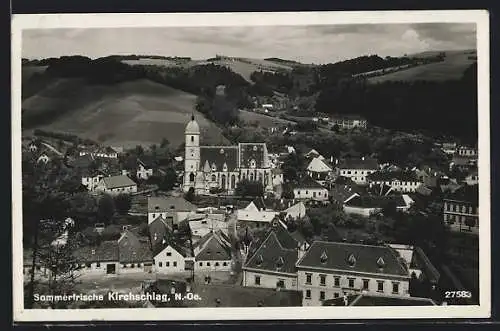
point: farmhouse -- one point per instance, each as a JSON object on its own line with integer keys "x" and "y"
{"x": 173, "y": 209}
{"x": 399, "y": 181}
{"x": 271, "y": 259}
{"x": 341, "y": 193}
{"x": 99, "y": 152}
{"x": 173, "y": 257}
{"x": 222, "y": 167}
{"x": 309, "y": 189}
{"x": 116, "y": 185}
{"x": 319, "y": 170}
{"x": 213, "y": 253}
{"x": 91, "y": 178}
{"x": 349, "y": 122}
{"x": 144, "y": 168}
{"x": 461, "y": 210}
{"x": 371, "y": 205}
{"x": 135, "y": 253}
{"x": 357, "y": 169}
{"x": 329, "y": 270}
{"x": 103, "y": 259}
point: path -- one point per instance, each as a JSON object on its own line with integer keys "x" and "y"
{"x": 52, "y": 148}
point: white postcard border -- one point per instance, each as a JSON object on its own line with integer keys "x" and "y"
{"x": 39, "y": 21}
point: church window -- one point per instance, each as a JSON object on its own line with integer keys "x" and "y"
{"x": 192, "y": 138}
{"x": 191, "y": 177}
{"x": 214, "y": 178}
{"x": 251, "y": 177}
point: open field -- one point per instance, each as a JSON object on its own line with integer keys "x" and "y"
{"x": 265, "y": 121}
{"x": 126, "y": 114}
{"x": 451, "y": 68}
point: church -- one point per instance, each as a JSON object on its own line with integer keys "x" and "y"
{"x": 220, "y": 168}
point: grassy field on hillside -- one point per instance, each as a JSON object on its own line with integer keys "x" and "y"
{"x": 126, "y": 114}
{"x": 263, "y": 120}
{"x": 451, "y": 68}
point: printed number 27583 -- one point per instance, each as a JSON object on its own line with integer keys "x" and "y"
{"x": 457, "y": 294}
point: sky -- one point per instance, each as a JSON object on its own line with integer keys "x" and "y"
{"x": 307, "y": 44}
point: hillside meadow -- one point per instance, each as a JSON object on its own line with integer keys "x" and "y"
{"x": 127, "y": 114}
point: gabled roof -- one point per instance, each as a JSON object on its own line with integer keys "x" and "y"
{"x": 404, "y": 176}
{"x": 134, "y": 249}
{"x": 466, "y": 193}
{"x": 318, "y": 165}
{"x": 107, "y": 251}
{"x": 370, "y": 201}
{"x": 353, "y": 258}
{"x": 359, "y": 163}
{"x": 170, "y": 203}
{"x": 340, "y": 193}
{"x": 308, "y": 182}
{"x": 118, "y": 181}
{"x": 146, "y": 161}
{"x": 213, "y": 246}
{"x": 218, "y": 156}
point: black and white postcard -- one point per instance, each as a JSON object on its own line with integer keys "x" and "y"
{"x": 245, "y": 166}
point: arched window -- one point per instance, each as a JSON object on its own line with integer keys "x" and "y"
{"x": 251, "y": 177}
{"x": 191, "y": 177}
{"x": 192, "y": 138}
{"x": 260, "y": 177}
{"x": 214, "y": 178}
{"x": 233, "y": 181}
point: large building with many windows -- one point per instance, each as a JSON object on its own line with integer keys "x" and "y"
{"x": 461, "y": 209}
{"x": 330, "y": 270}
{"x": 219, "y": 168}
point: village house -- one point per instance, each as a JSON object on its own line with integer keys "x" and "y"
{"x": 357, "y": 169}
{"x": 349, "y": 122}
{"x": 173, "y": 209}
{"x": 449, "y": 148}
{"x": 341, "y": 193}
{"x": 91, "y": 178}
{"x": 173, "y": 257}
{"x": 256, "y": 213}
{"x": 329, "y": 270}
{"x": 213, "y": 253}
{"x": 319, "y": 170}
{"x": 309, "y": 189}
{"x": 461, "y": 209}
{"x": 472, "y": 178}
{"x": 271, "y": 259}
{"x": 418, "y": 264}
{"x": 201, "y": 225}
{"x": 135, "y": 254}
{"x": 368, "y": 205}
{"x": 313, "y": 154}
{"x": 467, "y": 151}
{"x": 100, "y": 152}
{"x": 399, "y": 181}
{"x": 463, "y": 163}
{"x": 115, "y": 185}
{"x": 144, "y": 168}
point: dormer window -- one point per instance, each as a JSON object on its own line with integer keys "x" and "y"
{"x": 259, "y": 260}
{"x": 224, "y": 167}
{"x": 323, "y": 258}
{"x": 280, "y": 263}
{"x": 214, "y": 168}
{"x": 93, "y": 251}
{"x": 380, "y": 262}
{"x": 221, "y": 151}
{"x": 351, "y": 260}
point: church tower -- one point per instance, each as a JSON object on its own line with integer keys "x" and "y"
{"x": 192, "y": 154}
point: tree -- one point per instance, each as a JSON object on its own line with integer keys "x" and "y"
{"x": 470, "y": 222}
{"x": 164, "y": 143}
{"x": 105, "y": 208}
{"x": 249, "y": 188}
{"x": 122, "y": 203}
{"x": 169, "y": 180}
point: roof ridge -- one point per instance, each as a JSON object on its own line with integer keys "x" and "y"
{"x": 346, "y": 243}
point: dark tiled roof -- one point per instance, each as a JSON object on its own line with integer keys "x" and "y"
{"x": 370, "y": 201}
{"x": 421, "y": 260}
{"x": 158, "y": 230}
{"x": 147, "y": 161}
{"x": 118, "y": 181}
{"x": 164, "y": 204}
{"x": 404, "y": 176}
{"x": 308, "y": 182}
{"x": 359, "y": 163}
{"x": 133, "y": 249}
{"x": 353, "y": 257}
{"x": 213, "y": 246}
{"x": 466, "y": 193}
{"x": 275, "y": 251}
{"x": 341, "y": 192}
{"x": 252, "y": 151}
{"x": 107, "y": 251}
{"x": 219, "y": 155}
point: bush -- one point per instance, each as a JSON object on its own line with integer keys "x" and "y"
{"x": 122, "y": 203}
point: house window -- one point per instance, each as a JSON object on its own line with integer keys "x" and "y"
{"x": 201, "y": 264}
{"x": 366, "y": 282}
{"x": 132, "y": 266}
{"x": 336, "y": 281}
{"x": 175, "y": 263}
{"x": 308, "y": 278}
{"x": 395, "y": 288}
{"x": 257, "y": 280}
{"x": 224, "y": 264}
{"x": 88, "y": 265}
{"x": 322, "y": 295}
{"x": 167, "y": 264}
{"x": 314, "y": 194}
{"x": 98, "y": 265}
{"x": 160, "y": 264}
{"x": 308, "y": 294}
{"x": 380, "y": 286}
{"x": 351, "y": 282}
{"x": 280, "y": 283}
{"x": 216, "y": 264}
{"x": 169, "y": 253}
{"x": 322, "y": 280}
{"x": 208, "y": 264}
{"x": 335, "y": 295}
